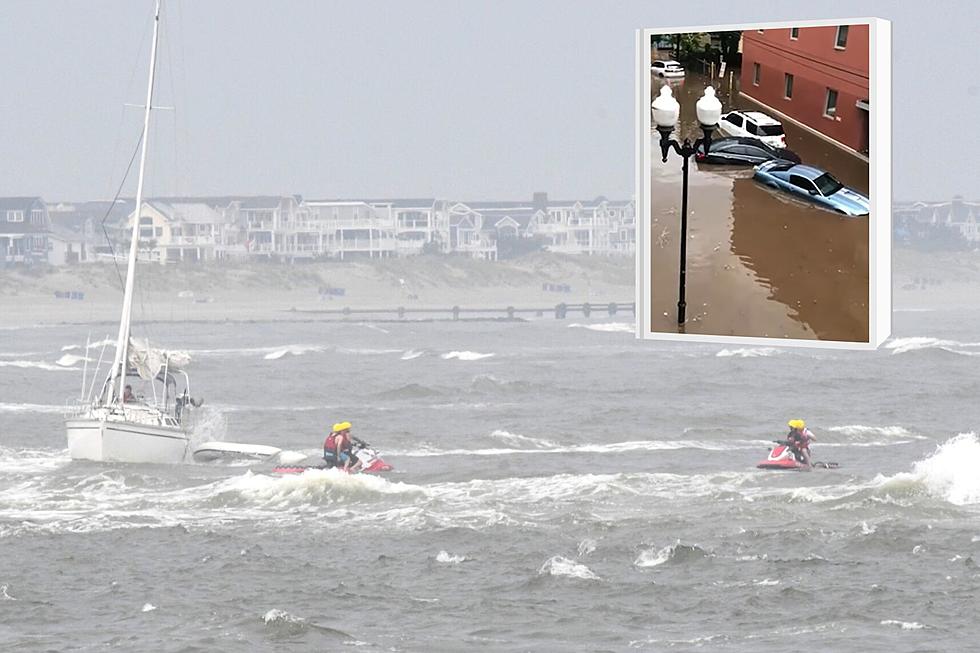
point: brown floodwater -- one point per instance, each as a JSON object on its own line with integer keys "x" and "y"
{"x": 759, "y": 262}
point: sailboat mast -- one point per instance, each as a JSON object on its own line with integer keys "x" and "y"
{"x": 122, "y": 342}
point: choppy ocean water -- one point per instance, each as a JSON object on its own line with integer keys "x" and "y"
{"x": 558, "y": 486}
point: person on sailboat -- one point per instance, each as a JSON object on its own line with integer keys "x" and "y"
{"x": 128, "y": 396}
{"x": 338, "y": 448}
{"x": 799, "y": 439}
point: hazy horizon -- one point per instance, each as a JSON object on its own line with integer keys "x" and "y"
{"x": 479, "y": 100}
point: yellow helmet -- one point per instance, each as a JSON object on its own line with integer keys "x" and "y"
{"x": 335, "y": 428}
{"x": 797, "y": 424}
{"x": 342, "y": 426}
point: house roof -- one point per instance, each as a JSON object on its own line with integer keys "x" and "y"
{"x": 398, "y": 203}
{"x": 18, "y": 203}
{"x": 190, "y": 212}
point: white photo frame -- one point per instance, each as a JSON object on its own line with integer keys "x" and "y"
{"x": 879, "y": 185}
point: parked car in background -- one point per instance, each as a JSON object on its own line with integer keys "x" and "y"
{"x": 753, "y": 124}
{"x": 667, "y": 69}
{"x": 813, "y": 184}
{"x": 743, "y": 151}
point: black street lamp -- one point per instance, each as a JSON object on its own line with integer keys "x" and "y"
{"x": 666, "y": 111}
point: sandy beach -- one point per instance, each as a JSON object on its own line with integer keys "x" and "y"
{"x": 260, "y": 291}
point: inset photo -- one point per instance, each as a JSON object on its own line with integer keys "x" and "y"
{"x": 764, "y": 183}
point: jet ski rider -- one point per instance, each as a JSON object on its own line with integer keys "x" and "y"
{"x": 799, "y": 439}
{"x": 338, "y": 448}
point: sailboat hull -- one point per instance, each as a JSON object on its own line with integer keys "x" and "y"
{"x": 125, "y": 442}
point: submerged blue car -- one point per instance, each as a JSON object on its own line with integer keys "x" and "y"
{"x": 813, "y": 184}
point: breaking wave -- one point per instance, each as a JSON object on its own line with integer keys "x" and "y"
{"x": 747, "y": 352}
{"x": 609, "y": 327}
{"x": 446, "y": 558}
{"x": 40, "y": 365}
{"x": 949, "y": 474}
{"x": 674, "y": 553}
{"x": 69, "y": 360}
{"x": 918, "y": 343}
{"x": 562, "y": 566}
{"x": 518, "y": 440}
{"x": 904, "y": 625}
{"x": 292, "y": 350}
{"x": 30, "y": 408}
{"x": 860, "y": 432}
{"x": 465, "y": 356}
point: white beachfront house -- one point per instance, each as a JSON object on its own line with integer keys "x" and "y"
{"x": 600, "y": 227}
{"x": 172, "y": 231}
{"x": 340, "y": 229}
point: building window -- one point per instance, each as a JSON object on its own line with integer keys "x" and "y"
{"x": 830, "y": 107}
{"x": 761, "y": 31}
{"x": 794, "y": 33}
{"x": 158, "y": 231}
{"x": 789, "y": 86}
{"x": 756, "y": 74}
{"x": 146, "y": 220}
{"x": 841, "y": 37}
{"x": 15, "y": 216}
{"x": 37, "y": 216}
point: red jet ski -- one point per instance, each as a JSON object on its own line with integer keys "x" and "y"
{"x": 784, "y": 457}
{"x": 363, "y": 452}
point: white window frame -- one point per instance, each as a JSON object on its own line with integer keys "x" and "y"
{"x": 756, "y": 73}
{"x": 827, "y": 112}
{"x": 15, "y": 216}
{"x": 794, "y": 33}
{"x": 837, "y": 45}
{"x": 788, "y": 80}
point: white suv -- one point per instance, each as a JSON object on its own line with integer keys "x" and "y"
{"x": 753, "y": 124}
{"x": 667, "y": 69}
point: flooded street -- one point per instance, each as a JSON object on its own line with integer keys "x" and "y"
{"x": 759, "y": 261}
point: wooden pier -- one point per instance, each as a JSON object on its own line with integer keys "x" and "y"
{"x": 560, "y": 311}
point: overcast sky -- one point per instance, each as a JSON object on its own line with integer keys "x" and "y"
{"x": 469, "y": 100}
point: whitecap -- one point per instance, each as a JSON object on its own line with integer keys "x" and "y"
{"x": 465, "y": 355}
{"x": 40, "y": 365}
{"x": 516, "y": 439}
{"x": 949, "y": 473}
{"x": 861, "y": 430}
{"x": 69, "y": 360}
{"x": 905, "y": 625}
{"x": 292, "y": 350}
{"x": 30, "y": 408}
{"x": 917, "y": 343}
{"x": 608, "y": 327}
{"x": 747, "y": 352}
{"x": 447, "y": 558}
{"x": 411, "y": 354}
{"x": 562, "y": 566}
{"x": 277, "y": 616}
{"x": 148, "y": 607}
{"x": 652, "y": 558}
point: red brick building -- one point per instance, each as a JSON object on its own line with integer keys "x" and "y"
{"x": 817, "y": 76}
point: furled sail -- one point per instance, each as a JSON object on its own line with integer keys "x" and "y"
{"x": 149, "y": 361}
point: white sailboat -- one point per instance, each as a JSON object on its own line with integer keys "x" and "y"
{"x": 118, "y": 425}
